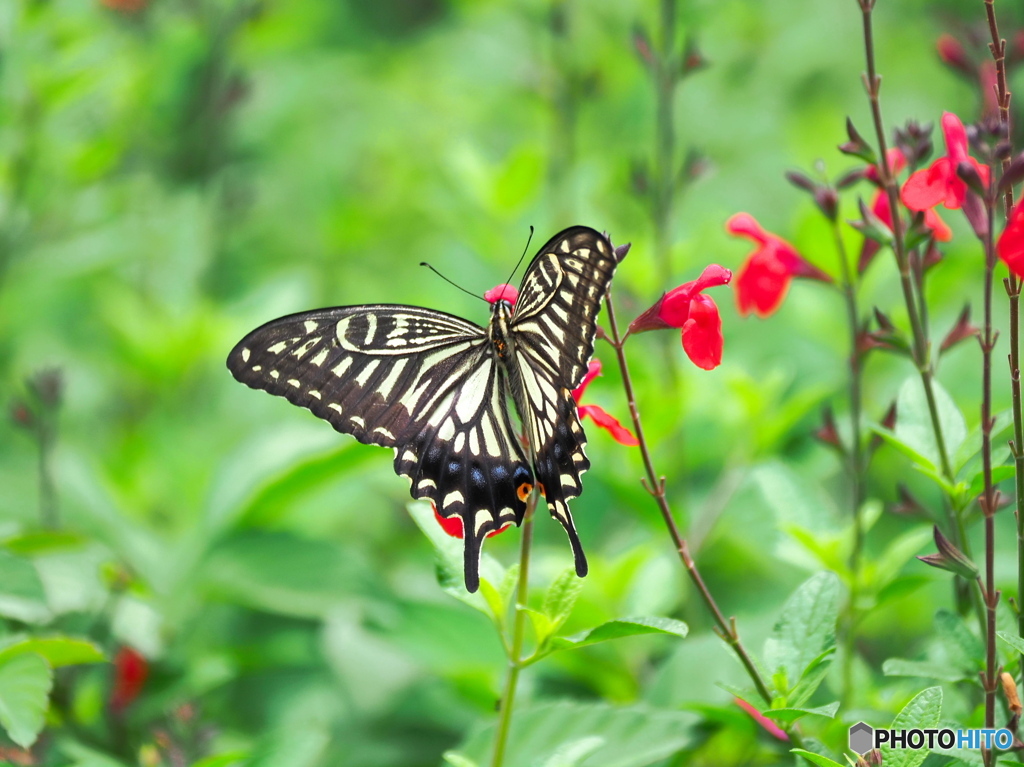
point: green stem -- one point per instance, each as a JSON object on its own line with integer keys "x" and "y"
{"x": 856, "y": 463}
{"x": 515, "y": 658}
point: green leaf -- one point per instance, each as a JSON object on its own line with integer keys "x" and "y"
{"x": 926, "y": 669}
{"x": 805, "y": 629}
{"x": 920, "y": 713}
{"x": 57, "y": 651}
{"x": 542, "y": 626}
{"x": 914, "y": 426}
{"x": 633, "y": 736}
{"x": 572, "y": 753}
{"x": 818, "y": 759}
{"x": 456, "y": 759}
{"x": 972, "y": 444}
{"x": 1012, "y": 640}
{"x": 25, "y": 683}
{"x": 962, "y": 648}
{"x": 999, "y": 474}
{"x": 223, "y": 760}
{"x": 495, "y": 603}
{"x": 786, "y": 716}
{"x": 811, "y": 679}
{"x": 280, "y": 573}
{"x": 623, "y": 627}
{"x": 561, "y": 596}
{"x": 22, "y": 596}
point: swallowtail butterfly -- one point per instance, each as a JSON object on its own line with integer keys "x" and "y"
{"x": 439, "y": 390}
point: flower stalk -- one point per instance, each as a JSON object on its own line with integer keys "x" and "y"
{"x": 654, "y": 484}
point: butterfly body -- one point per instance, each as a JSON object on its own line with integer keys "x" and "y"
{"x": 437, "y": 389}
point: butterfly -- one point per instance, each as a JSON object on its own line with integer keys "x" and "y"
{"x": 476, "y": 416}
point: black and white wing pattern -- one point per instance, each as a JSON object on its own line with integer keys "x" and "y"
{"x": 422, "y": 382}
{"x": 437, "y": 389}
{"x": 554, "y": 325}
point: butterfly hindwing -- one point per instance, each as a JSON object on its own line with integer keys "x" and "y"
{"x": 555, "y": 323}
{"x": 419, "y": 381}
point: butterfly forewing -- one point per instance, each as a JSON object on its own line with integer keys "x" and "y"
{"x": 554, "y": 324}
{"x": 419, "y": 381}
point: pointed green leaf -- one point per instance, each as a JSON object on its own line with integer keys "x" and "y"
{"x": 1012, "y": 640}
{"x": 574, "y": 752}
{"x": 22, "y": 596}
{"x": 818, "y": 759}
{"x": 623, "y": 627}
{"x": 922, "y": 668}
{"x": 25, "y": 683}
{"x": 58, "y": 651}
{"x": 223, "y": 760}
{"x": 786, "y": 716}
{"x": 456, "y": 759}
{"x": 920, "y": 713}
{"x": 805, "y": 629}
{"x": 914, "y": 425}
{"x": 561, "y": 596}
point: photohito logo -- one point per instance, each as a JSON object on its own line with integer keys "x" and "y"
{"x": 864, "y": 738}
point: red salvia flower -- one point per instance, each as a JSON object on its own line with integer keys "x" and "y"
{"x": 1010, "y": 246}
{"x": 598, "y": 414}
{"x": 763, "y": 281}
{"x": 939, "y": 182}
{"x": 687, "y": 308}
{"x": 130, "y": 672}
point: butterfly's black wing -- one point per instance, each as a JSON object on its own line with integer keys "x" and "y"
{"x": 420, "y": 381}
{"x": 554, "y": 324}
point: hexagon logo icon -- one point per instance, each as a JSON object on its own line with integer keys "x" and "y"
{"x": 861, "y": 738}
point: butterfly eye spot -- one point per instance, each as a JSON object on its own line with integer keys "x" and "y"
{"x": 523, "y": 491}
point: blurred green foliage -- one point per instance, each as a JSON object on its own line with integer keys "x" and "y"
{"x": 175, "y": 172}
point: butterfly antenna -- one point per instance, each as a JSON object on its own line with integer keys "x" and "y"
{"x": 450, "y": 282}
{"x": 520, "y": 261}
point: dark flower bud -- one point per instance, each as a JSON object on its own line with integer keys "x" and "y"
{"x": 857, "y": 146}
{"x": 621, "y": 251}
{"x": 915, "y": 142}
{"x": 47, "y": 386}
{"x": 801, "y": 181}
{"x": 907, "y": 505}
{"x": 827, "y": 201}
{"x": 949, "y": 557}
{"x": 969, "y": 175}
{"x": 962, "y": 330}
{"x": 827, "y": 432}
{"x": 849, "y": 178}
{"x": 21, "y": 415}
{"x": 1003, "y": 150}
{"x": 695, "y": 166}
{"x": 693, "y": 60}
{"x": 871, "y": 226}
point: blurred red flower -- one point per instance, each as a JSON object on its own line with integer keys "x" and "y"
{"x": 1010, "y": 246}
{"x": 763, "y": 281}
{"x": 939, "y": 182}
{"x": 130, "y": 672}
{"x": 598, "y": 414}
{"x": 897, "y": 162}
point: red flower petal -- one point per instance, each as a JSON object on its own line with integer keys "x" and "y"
{"x": 927, "y": 188}
{"x": 593, "y": 371}
{"x": 608, "y": 422}
{"x": 745, "y": 225}
{"x": 897, "y": 162}
{"x": 702, "y": 334}
{"x": 502, "y": 293}
{"x": 674, "y": 307}
{"x": 955, "y": 134}
{"x": 130, "y": 672}
{"x": 1010, "y": 246}
{"x": 762, "y": 283}
{"x": 940, "y": 230}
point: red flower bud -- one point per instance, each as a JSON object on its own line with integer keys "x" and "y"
{"x": 130, "y": 672}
